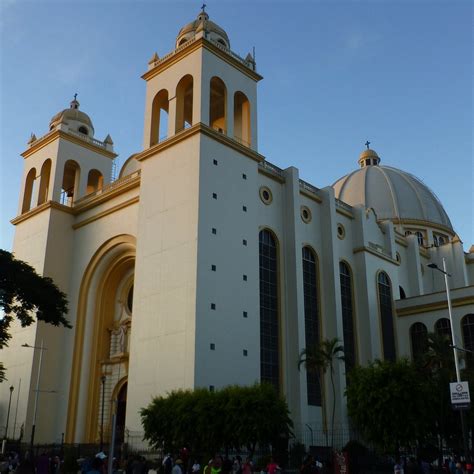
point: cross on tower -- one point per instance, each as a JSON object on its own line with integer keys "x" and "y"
{"x": 75, "y": 96}
{"x": 367, "y": 143}
{"x": 203, "y": 8}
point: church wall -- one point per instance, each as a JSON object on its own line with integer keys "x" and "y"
{"x": 88, "y": 239}
{"x": 163, "y": 333}
{"x": 225, "y": 326}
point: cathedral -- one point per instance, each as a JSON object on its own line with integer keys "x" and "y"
{"x": 202, "y": 264}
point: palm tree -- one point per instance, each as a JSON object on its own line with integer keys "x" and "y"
{"x": 318, "y": 359}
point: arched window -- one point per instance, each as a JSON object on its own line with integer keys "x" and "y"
{"x": 159, "y": 117}
{"x": 242, "y": 130}
{"x": 44, "y": 182}
{"x": 467, "y": 326}
{"x": 218, "y": 105}
{"x": 184, "y": 103}
{"x": 386, "y": 316}
{"x": 419, "y": 340}
{"x": 95, "y": 181}
{"x": 347, "y": 316}
{"x": 402, "y": 292}
{"x": 83, "y": 130}
{"x": 443, "y": 327}
{"x": 28, "y": 192}
{"x": 269, "y": 308}
{"x": 420, "y": 237}
{"x": 311, "y": 319}
{"x": 70, "y": 185}
{"x": 182, "y": 41}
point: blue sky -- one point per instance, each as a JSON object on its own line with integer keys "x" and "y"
{"x": 335, "y": 73}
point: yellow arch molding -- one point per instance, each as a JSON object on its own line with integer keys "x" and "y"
{"x": 129, "y": 242}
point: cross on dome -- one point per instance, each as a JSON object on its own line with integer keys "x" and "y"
{"x": 203, "y": 8}
{"x": 367, "y": 143}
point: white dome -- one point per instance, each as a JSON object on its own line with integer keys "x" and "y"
{"x": 394, "y": 195}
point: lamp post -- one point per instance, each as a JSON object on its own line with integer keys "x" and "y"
{"x": 16, "y": 408}
{"x": 102, "y": 380}
{"x": 37, "y": 391}
{"x": 8, "y": 418}
{"x": 453, "y": 342}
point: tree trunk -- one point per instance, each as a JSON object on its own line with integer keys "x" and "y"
{"x": 333, "y": 406}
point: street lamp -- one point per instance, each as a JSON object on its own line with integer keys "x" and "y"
{"x": 102, "y": 380}
{"x": 455, "y": 349}
{"x": 33, "y": 427}
{"x": 8, "y": 418}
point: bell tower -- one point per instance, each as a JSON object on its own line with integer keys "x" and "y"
{"x": 201, "y": 81}
{"x": 199, "y": 165}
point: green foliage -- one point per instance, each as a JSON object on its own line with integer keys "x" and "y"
{"x": 25, "y": 294}
{"x": 320, "y": 358}
{"x": 390, "y": 403}
{"x": 208, "y": 421}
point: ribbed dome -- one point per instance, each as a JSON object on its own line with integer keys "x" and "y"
{"x": 72, "y": 114}
{"x": 393, "y": 194}
{"x": 202, "y": 21}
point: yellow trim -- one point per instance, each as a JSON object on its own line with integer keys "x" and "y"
{"x": 206, "y": 130}
{"x": 52, "y": 136}
{"x": 426, "y": 308}
{"x": 111, "y": 210}
{"x": 89, "y": 273}
{"x": 374, "y": 252}
{"x": 311, "y": 196}
{"x": 344, "y": 213}
{"x": 38, "y": 209}
{"x": 194, "y": 46}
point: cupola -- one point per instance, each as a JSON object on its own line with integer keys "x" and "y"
{"x": 368, "y": 157}
{"x": 74, "y": 119}
{"x": 212, "y": 31}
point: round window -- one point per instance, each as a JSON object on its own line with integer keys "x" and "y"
{"x": 305, "y": 214}
{"x": 341, "y": 232}
{"x": 266, "y": 195}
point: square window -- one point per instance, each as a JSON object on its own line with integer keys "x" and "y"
{"x": 215, "y": 162}
{"x": 245, "y": 353}
{"x": 244, "y": 242}
{"x": 213, "y": 347}
{"x": 211, "y": 388}
{"x": 213, "y": 268}
{"x": 244, "y": 176}
{"x": 244, "y": 208}
{"x": 214, "y": 195}
{"x": 214, "y": 230}
{"x": 245, "y": 314}
{"x": 213, "y": 305}
{"x": 245, "y": 277}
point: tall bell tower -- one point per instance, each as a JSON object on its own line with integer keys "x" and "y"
{"x": 199, "y": 165}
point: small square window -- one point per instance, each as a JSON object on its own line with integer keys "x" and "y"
{"x": 213, "y": 268}
{"x": 244, "y": 176}
{"x": 214, "y": 230}
{"x": 211, "y": 388}
{"x": 244, "y": 242}
{"x": 215, "y": 162}
{"x": 244, "y": 277}
{"x": 214, "y": 195}
{"x": 244, "y": 208}
{"x": 245, "y": 352}
{"x": 212, "y": 347}
{"x": 245, "y": 314}
{"x": 213, "y": 305}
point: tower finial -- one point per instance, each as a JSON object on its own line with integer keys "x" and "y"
{"x": 367, "y": 143}
{"x": 75, "y": 96}
{"x": 203, "y": 8}
{"x": 74, "y": 103}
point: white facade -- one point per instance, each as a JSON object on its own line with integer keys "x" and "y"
{"x": 180, "y": 229}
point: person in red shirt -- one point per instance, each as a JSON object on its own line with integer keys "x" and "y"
{"x": 272, "y": 466}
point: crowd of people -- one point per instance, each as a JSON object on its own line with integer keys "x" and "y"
{"x": 451, "y": 465}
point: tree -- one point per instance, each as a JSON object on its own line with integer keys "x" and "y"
{"x": 390, "y": 404}
{"x": 206, "y": 421}
{"x": 318, "y": 359}
{"x": 25, "y": 295}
